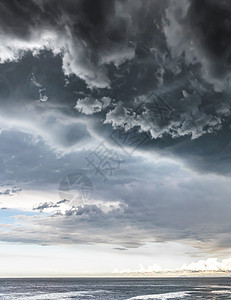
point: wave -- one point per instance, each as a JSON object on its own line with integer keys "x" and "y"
{"x": 161, "y": 296}
{"x": 221, "y": 292}
{"x": 51, "y": 296}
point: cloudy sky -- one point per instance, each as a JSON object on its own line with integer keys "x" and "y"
{"x": 115, "y": 131}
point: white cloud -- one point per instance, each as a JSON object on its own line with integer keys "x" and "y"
{"x": 159, "y": 118}
{"x": 155, "y": 268}
{"x": 90, "y": 105}
{"x": 208, "y": 266}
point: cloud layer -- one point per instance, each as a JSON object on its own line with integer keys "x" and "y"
{"x": 73, "y": 73}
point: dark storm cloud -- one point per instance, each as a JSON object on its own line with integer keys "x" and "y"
{"x": 19, "y": 17}
{"x": 89, "y": 34}
{"x": 200, "y": 31}
{"x": 93, "y": 38}
{"x": 210, "y": 20}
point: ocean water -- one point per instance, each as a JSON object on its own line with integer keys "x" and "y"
{"x": 115, "y": 289}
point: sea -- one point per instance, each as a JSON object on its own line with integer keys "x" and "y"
{"x": 116, "y": 289}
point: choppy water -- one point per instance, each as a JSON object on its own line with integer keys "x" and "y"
{"x": 115, "y": 289}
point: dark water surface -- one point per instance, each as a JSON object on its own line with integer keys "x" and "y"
{"x": 108, "y": 289}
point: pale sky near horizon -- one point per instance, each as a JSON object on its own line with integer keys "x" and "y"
{"x": 115, "y": 130}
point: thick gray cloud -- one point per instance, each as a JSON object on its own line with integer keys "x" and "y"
{"x": 183, "y": 213}
{"x": 158, "y": 201}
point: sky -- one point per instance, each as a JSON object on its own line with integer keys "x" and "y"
{"x": 115, "y": 131}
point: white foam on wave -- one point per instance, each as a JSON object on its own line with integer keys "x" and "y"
{"x": 161, "y": 296}
{"x": 209, "y": 286}
{"x": 221, "y": 292}
{"x": 55, "y": 296}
